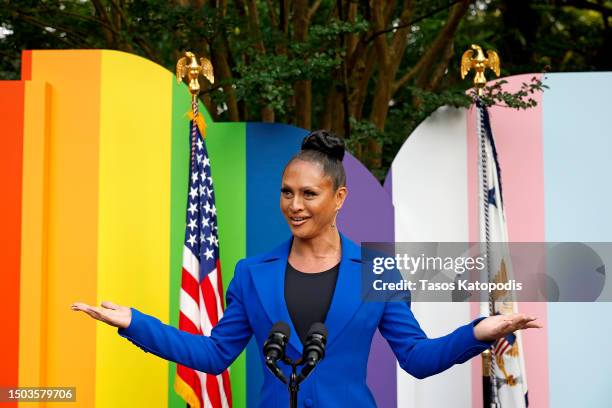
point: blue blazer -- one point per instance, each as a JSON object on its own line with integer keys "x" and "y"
{"x": 255, "y": 301}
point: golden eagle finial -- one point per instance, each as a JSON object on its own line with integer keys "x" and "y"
{"x": 188, "y": 66}
{"x": 480, "y": 63}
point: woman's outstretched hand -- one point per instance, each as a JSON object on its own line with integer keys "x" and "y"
{"x": 109, "y": 313}
{"x": 495, "y": 327}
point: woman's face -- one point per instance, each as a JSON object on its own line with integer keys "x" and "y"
{"x": 308, "y": 200}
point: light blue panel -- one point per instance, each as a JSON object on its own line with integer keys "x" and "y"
{"x": 578, "y": 207}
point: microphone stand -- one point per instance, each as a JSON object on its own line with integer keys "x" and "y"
{"x": 294, "y": 387}
{"x": 294, "y": 381}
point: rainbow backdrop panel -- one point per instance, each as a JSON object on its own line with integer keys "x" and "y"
{"x": 95, "y": 152}
{"x": 94, "y": 177}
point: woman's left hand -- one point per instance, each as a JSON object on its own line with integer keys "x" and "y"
{"x": 495, "y": 327}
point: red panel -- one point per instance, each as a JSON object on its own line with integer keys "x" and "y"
{"x": 26, "y": 65}
{"x": 11, "y": 149}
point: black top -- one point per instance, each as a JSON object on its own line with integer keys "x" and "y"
{"x": 308, "y": 297}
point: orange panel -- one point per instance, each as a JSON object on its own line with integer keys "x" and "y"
{"x": 71, "y": 238}
{"x": 33, "y": 291}
{"x": 11, "y": 146}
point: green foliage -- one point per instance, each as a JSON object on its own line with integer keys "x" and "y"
{"x": 522, "y": 99}
{"x": 265, "y": 61}
{"x": 268, "y": 79}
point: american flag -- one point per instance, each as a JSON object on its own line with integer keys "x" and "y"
{"x": 502, "y": 345}
{"x": 201, "y": 297}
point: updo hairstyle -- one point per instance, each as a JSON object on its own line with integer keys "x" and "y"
{"x": 326, "y": 149}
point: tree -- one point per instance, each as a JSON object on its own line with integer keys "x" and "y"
{"x": 369, "y": 70}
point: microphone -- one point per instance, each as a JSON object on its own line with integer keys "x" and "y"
{"x": 314, "y": 349}
{"x": 274, "y": 348}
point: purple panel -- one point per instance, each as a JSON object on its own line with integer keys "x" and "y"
{"x": 367, "y": 215}
{"x": 388, "y": 184}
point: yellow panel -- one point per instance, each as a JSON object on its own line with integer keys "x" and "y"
{"x": 134, "y": 222}
{"x": 33, "y": 274}
{"x": 72, "y": 216}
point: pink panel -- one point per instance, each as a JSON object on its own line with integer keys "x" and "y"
{"x": 519, "y": 140}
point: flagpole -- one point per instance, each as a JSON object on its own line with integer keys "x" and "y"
{"x": 494, "y": 401}
{"x": 474, "y": 58}
{"x": 188, "y": 66}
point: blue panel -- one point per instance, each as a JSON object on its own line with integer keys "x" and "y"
{"x": 269, "y": 148}
{"x": 578, "y": 197}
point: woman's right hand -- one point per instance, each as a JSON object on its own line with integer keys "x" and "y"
{"x": 109, "y": 313}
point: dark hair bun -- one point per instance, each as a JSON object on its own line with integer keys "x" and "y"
{"x": 325, "y": 142}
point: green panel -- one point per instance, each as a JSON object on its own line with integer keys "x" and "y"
{"x": 226, "y": 143}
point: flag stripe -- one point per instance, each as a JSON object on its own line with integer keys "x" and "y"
{"x": 227, "y": 389}
{"x": 190, "y": 285}
{"x": 190, "y": 309}
{"x": 191, "y": 264}
{"x": 210, "y": 300}
{"x": 220, "y": 285}
{"x": 212, "y": 390}
{"x": 187, "y": 324}
{"x": 204, "y": 395}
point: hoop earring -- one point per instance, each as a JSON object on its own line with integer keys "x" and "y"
{"x": 333, "y": 225}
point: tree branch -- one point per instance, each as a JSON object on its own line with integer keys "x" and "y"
{"x": 400, "y": 38}
{"x": 303, "y": 88}
{"x": 76, "y": 37}
{"x": 101, "y": 11}
{"x": 380, "y": 43}
{"x": 313, "y": 9}
{"x": 440, "y": 43}
{"x": 412, "y": 22}
{"x": 587, "y": 5}
{"x": 273, "y": 18}
{"x": 438, "y": 72}
{"x": 254, "y": 25}
{"x": 406, "y": 77}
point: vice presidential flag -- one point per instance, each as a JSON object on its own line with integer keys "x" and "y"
{"x": 509, "y": 369}
{"x": 201, "y": 297}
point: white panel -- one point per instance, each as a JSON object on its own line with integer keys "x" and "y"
{"x": 429, "y": 177}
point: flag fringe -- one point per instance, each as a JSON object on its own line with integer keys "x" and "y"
{"x": 199, "y": 122}
{"x": 186, "y": 392}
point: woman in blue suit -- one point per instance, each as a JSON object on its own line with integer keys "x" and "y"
{"x": 312, "y": 277}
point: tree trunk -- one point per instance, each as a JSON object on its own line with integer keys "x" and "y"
{"x": 267, "y": 114}
{"x": 445, "y": 36}
{"x": 224, "y": 73}
{"x": 389, "y": 59}
{"x": 302, "y": 88}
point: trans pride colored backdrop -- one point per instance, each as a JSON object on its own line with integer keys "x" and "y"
{"x": 94, "y": 178}
{"x": 555, "y": 170}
